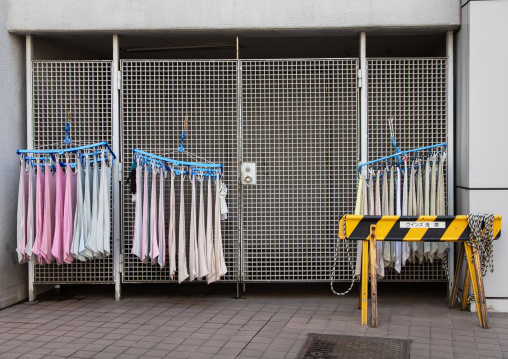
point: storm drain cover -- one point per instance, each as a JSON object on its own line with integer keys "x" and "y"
{"x": 326, "y": 346}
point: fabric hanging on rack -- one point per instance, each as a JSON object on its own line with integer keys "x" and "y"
{"x": 440, "y": 203}
{"x": 358, "y": 211}
{"x": 30, "y": 219}
{"x": 22, "y": 214}
{"x": 432, "y": 210}
{"x": 58, "y": 246}
{"x": 39, "y": 214}
{"x": 210, "y": 253}
{"x": 411, "y": 203}
{"x": 145, "y": 232}
{"x": 49, "y": 215}
{"x": 426, "y": 201}
{"x": 182, "y": 259}
{"x": 202, "y": 258}
{"x": 87, "y": 213}
{"x": 78, "y": 216}
{"x": 137, "y": 242}
{"x": 406, "y": 250}
{"x": 193, "y": 245}
{"x": 104, "y": 218}
{"x": 154, "y": 241}
{"x": 172, "y": 225}
{"x": 69, "y": 211}
{"x": 398, "y": 209}
{"x": 91, "y": 238}
{"x": 385, "y": 211}
{"x": 420, "y": 211}
{"x": 223, "y": 191}
{"x": 220, "y": 263}
{"x": 380, "y": 265}
{"x": 162, "y": 225}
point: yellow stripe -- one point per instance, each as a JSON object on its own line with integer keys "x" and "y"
{"x": 497, "y": 225}
{"x": 455, "y": 229}
{"x": 352, "y": 222}
{"x": 416, "y": 234}
{"x": 384, "y": 225}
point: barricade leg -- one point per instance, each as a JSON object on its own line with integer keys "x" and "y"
{"x": 373, "y": 274}
{"x": 365, "y": 279}
{"x": 458, "y": 270}
{"x": 472, "y": 275}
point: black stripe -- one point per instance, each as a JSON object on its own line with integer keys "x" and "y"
{"x": 396, "y": 233}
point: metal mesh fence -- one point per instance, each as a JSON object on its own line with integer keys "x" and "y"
{"x": 413, "y": 91}
{"x": 84, "y": 88}
{"x": 300, "y": 126}
{"x": 156, "y": 98}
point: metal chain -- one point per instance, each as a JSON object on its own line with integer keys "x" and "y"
{"x": 484, "y": 239}
{"x": 336, "y": 258}
{"x": 444, "y": 263}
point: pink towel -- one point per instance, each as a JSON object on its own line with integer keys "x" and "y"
{"x": 145, "y": 226}
{"x": 154, "y": 248}
{"x": 58, "y": 248}
{"x": 69, "y": 211}
{"x": 39, "y": 214}
{"x": 22, "y": 214}
{"x": 49, "y": 214}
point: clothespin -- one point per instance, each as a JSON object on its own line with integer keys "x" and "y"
{"x": 68, "y": 128}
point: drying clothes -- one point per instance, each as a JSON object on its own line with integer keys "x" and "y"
{"x": 358, "y": 210}
{"x": 78, "y": 216}
{"x": 137, "y": 243}
{"x": 58, "y": 246}
{"x": 193, "y": 245}
{"x": 91, "y": 238}
{"x": 440, "y": 202}
{"x": 87, "y": 212}
{"x": 49, "y": 215}
{"x": 182, "y": 259}
{"x": 420, "y": 211}
{"x": 162, "y": 226}
{"x": 220, "y": 263}
{"x": 432, "y": 210}
{"x": 154, "y": 241}
{"x": 103, "y": 213}
{"x": 69, "y": 211}
{"x": 386, "y": 212}
{"x": 202, "y": 258}
{"x": 223, "y": 191}
{"x": 360, "y": 194}
{"x": 398, "y": 208}
{"x": 210, "y": 252}
{"x": 406, "y": 250}
{"x": 380, "y": 263}
{"x": 22, "y": 214}
{"x": 30, "y": 218}
{"x": 171, "y": 230}
{"x": 39, "y": 214}
{"x": 145, "y": 234}
{"x": 426, "y": 201}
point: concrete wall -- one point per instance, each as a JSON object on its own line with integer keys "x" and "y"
{"x": 482, "y": 125}
{"x": 230, "y": 16}
{"x": 14, "y": 277}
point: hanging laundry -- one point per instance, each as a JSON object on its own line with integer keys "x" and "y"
{"x": 182, "y": 259}
{"x": 91, "y": 238}
{"x": 220, "y": 263}
{"x": 58, "y": 246}
{"x": 49, "y": 215}
{"x": 154, "y": 241}
{"x": 202, "y": 257}
{"x": 223, "y": 191}
{"x": 39, "y": 214}
{"x": 30, "y": 218}
{"x": 440, "y": 202}
{"x": 172, "y": 225}
{"x": 22, "y": 214}
{"x": 162, "y": 226}
{"x": 380, "y": 265}
{"x": 358, "y": 211}
{"x": 193, "y": 245}
{"x": 210, "y": 252}
{"x": 78, "y": 216}
{"x": 137, "y": 243}
{"x": 69, "y": 211}
{"x": 406, "y": 250}
{"x": 145, "y": 234}
{"x": 398, "y": 211}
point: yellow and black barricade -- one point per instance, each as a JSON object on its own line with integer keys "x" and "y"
{"x": 371, "y": 229}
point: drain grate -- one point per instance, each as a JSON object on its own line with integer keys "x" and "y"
{"x": 325, "y": 346}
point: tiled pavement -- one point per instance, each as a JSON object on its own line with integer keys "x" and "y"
{"x": 269, "y": 321}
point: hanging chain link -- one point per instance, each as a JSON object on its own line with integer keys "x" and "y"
{"x": 336, "y": 258}
{"x": 484, "y": 239}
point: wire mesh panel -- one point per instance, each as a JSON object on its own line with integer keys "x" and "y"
{"x": 84, "y": 88}
{"x": 300, "y": 127}
{"x": 156, "y": 98}
{"x": 413, "y": 91}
